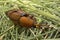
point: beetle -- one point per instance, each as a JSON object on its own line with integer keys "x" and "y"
{"x": 19, "y": 17}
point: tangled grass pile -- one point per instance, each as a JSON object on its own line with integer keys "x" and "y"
{"x": 45, "y": 11}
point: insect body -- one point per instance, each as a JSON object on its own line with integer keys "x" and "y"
{"x": 21, "y": 18}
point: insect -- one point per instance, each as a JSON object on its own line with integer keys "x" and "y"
{"x": 21, "y": 18}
